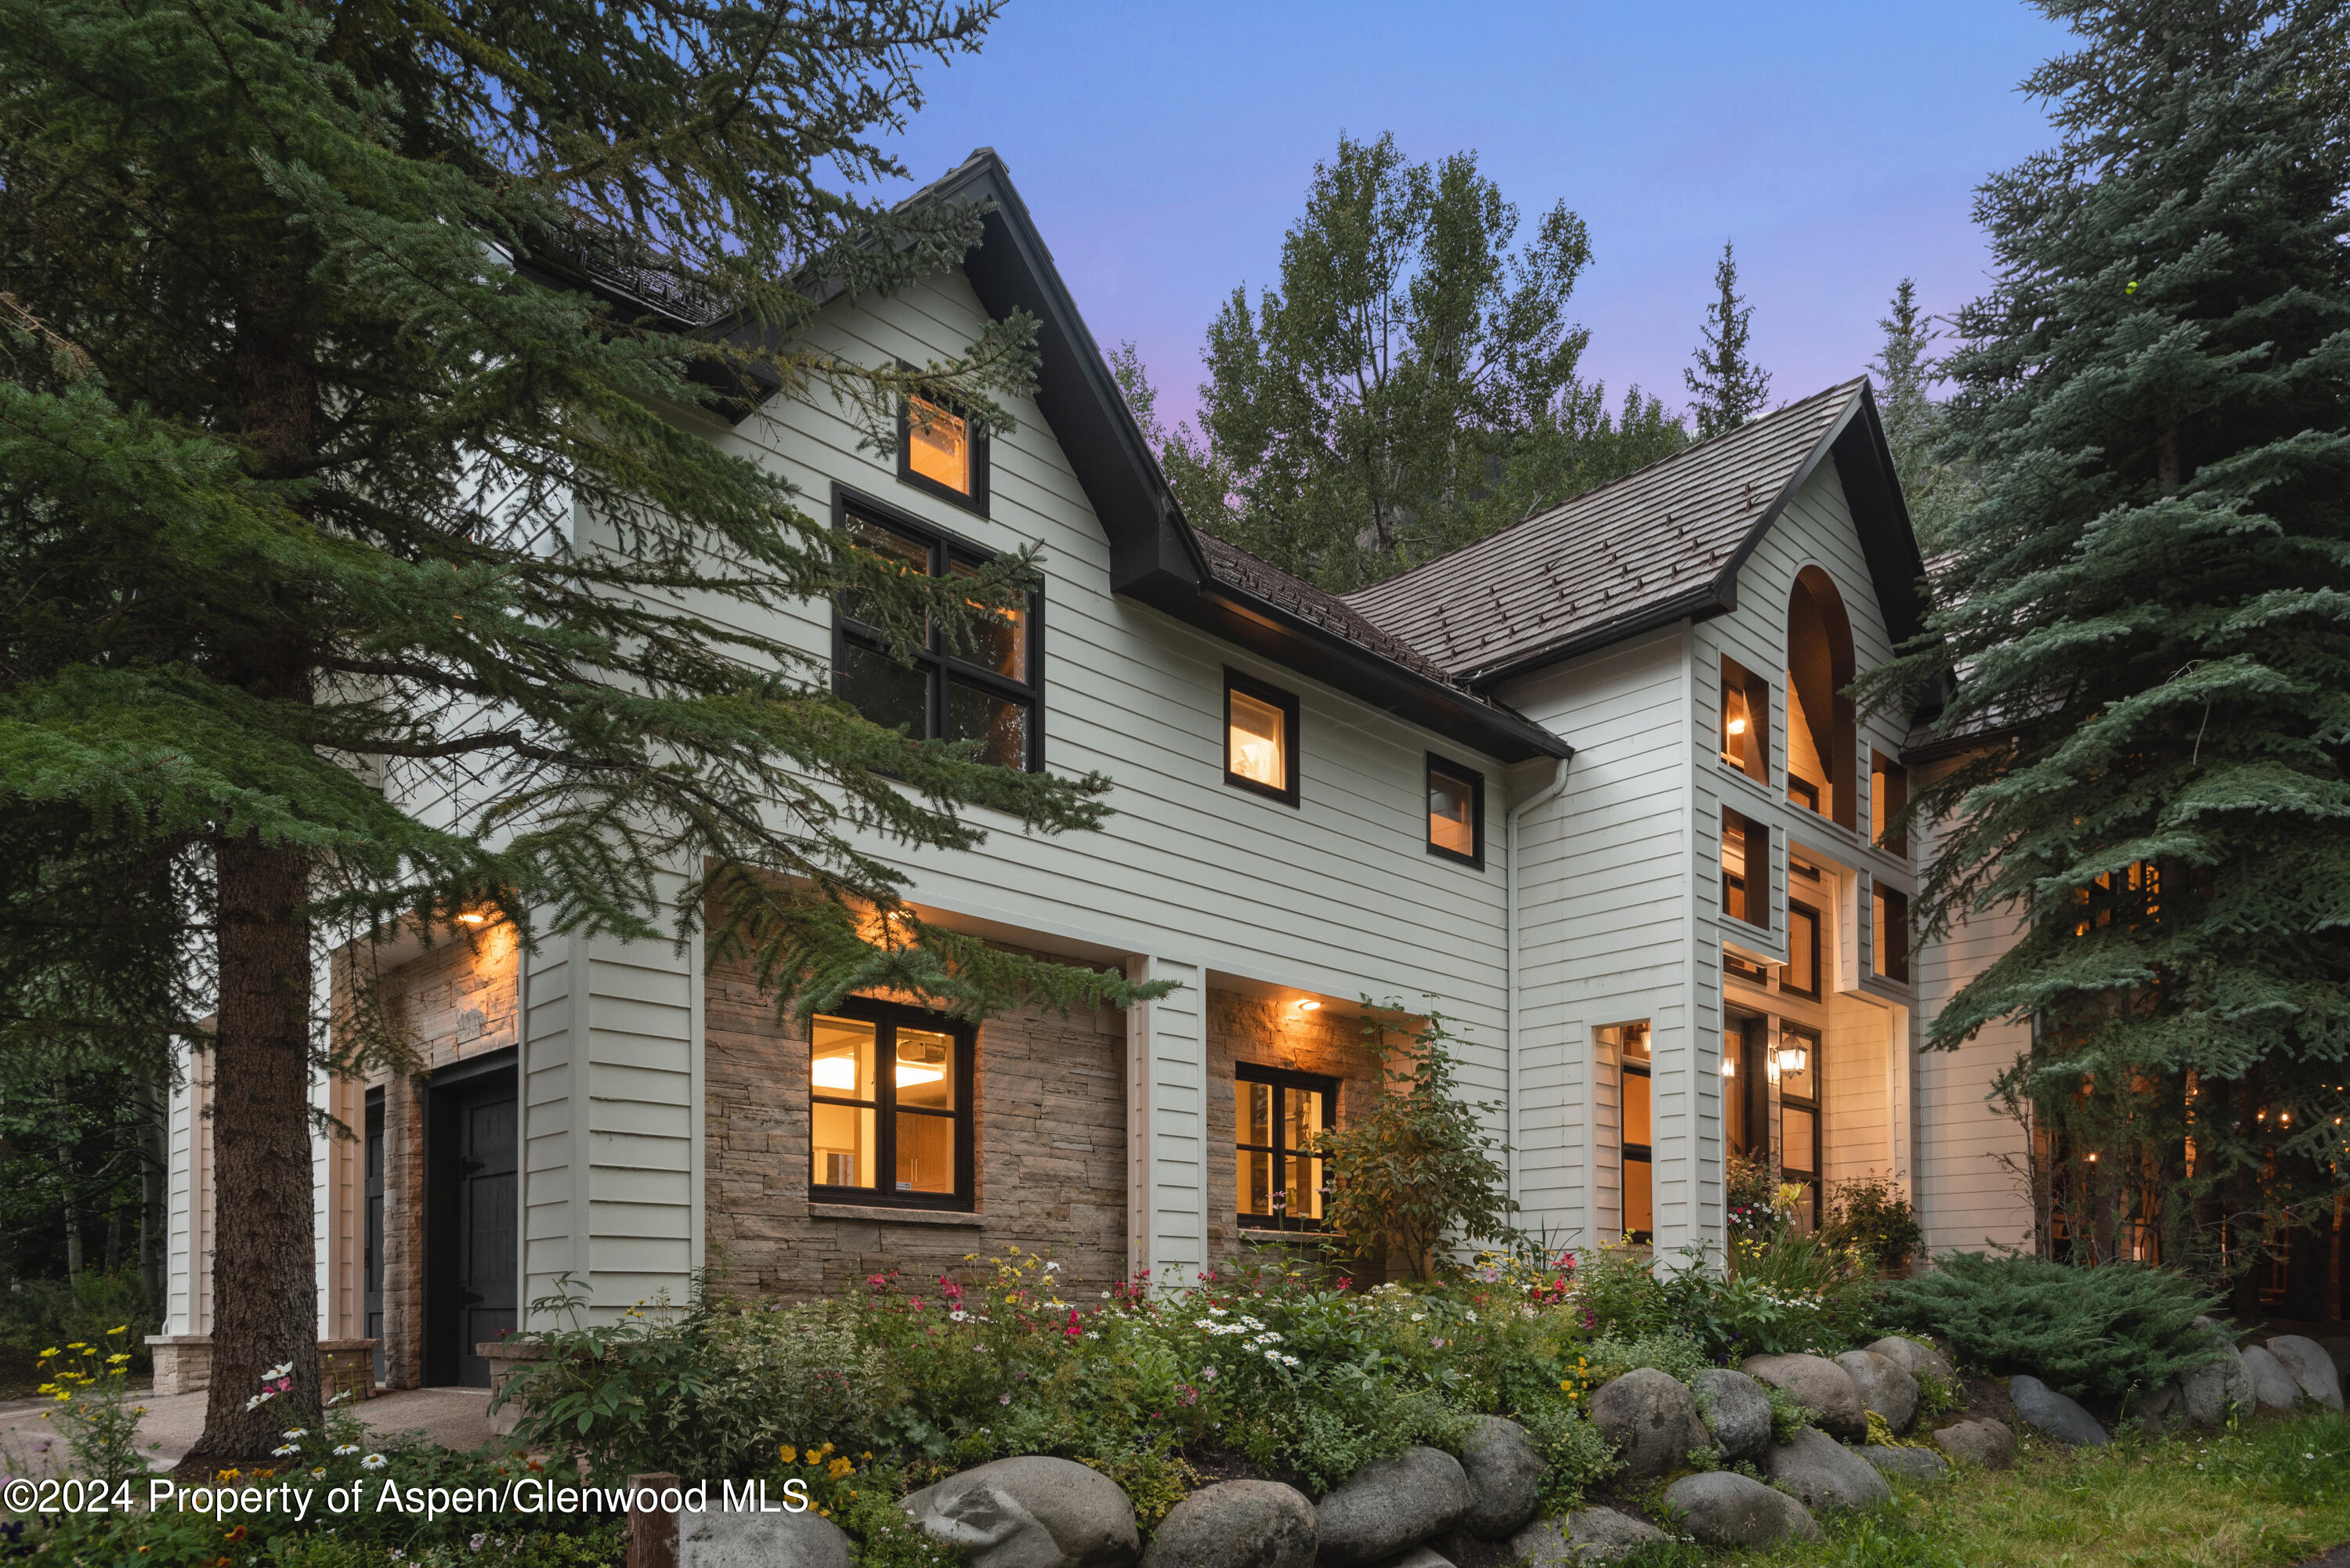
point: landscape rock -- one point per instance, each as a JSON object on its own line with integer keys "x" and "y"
{"x": 1986, "y": 1442}
{"x": 1824, "y": 1473}
{"x": 1916, "y": 1354}
{"x": 1723, "y": 1508}
{"x": 1586, "y": 1535}
{"x": 1420, "y": 1557}
{"x": 2306, "y": 1363}
{"x": 1819, "y": 1386}
{"x": 2052, "y": 1415}
{"x": 2162, "y": 1410}
{"x": 2337, "y": 1347}
{"x": 1735, "y": 1410}
{"x": 1652, "y": 1420}
{"x": 2209, "y": 1390}
{"x": 1505, "y": 1471}
{"x": 1390, "y": 1504}
{"x": 721, "y": 1540}
{"x": 1033, "y": 1511}
{"x": 2272, "y": 1385}
{"x": 1917, "y": 1464}
{"x": 1237, "y": 1524}
{"x": 1885, "y": 1385}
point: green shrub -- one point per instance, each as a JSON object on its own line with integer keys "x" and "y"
{"x": 1869, "y": 1212}
{"x": 1789, "y": 1415}
{"x": 1578, "y": 1456}
{"x": 2102, "y": 1330}
{"x": 1674, "y": 1354}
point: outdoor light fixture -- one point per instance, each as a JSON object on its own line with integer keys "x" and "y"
{"x": 1308, "y": 1006}
{"x": 473, "y": 917}
{"x": 1793, "y": 1058}
{"x": 1730, "y": 1066}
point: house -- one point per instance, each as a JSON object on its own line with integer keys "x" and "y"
{"x": 1589, "y": 787}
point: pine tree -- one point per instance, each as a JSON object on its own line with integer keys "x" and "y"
{"x": 2147, "y": 611}
{"x": 1935, "y": 487}
{"x": 301, "y": 390}
{"x": 1728, "y": 388}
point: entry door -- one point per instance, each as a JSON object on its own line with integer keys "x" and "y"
{"x": 485, "y": 1256}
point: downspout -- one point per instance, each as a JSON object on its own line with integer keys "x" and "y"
{"x": 1693, "y": 1172}
{"x": 1542, "y": 796}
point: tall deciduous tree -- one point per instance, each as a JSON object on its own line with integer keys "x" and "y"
{"x": 2148, "y": 613}
{"x": 1935, "y": 487}
{"x": 322, "y": 470}
{"x": 1726, "y": 387}
{"x": 1410, "y": 385}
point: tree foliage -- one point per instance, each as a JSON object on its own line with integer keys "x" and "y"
{"x": 371, "y": 556}
{"x": 1727, "y": 388}
{"x": 2149, "y": 612}
{"x": 1934, "y": 487}
{"x": 1410, "y": 384}
{"x": 2101, "y": 1331}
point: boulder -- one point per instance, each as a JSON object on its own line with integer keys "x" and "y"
{"x": 1390, "y": 1504}
{"x": 2272, "y": 1385}
{"x": 2306, "y": 1363}
{"x": 1505, "y": 1471}
{"x": 1735, "y": 1410}
{"x": 720, "y": 1539}
{"x": 2162, "y": 1410}
{"x": 2337, "y": 1347}
{"x": 1819, "y": 1386}
{"x": 2052, "y": 1415}
{"x": 1586, "y": 1535}
{"x": 1237, "y": 1524}
{"x": 1916, "y": 1354}
{"x": 2209, "y": 1390}
{"x": 1420, "y": 1557}
{"x": 1723, "y": 1508}
{"x": 1033, "y": 1511}
{"x": 1986, "y": 1442}
{"x": 1824, "y": 1473}
{"x": 1917, "y": 1464}
{"x": 1886, "y": 1387}
{"x": 1652, "y": 1420}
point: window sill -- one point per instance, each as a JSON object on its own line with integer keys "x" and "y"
{"x": 1264, "y": 1237}
{"x": 882, "y": 1213}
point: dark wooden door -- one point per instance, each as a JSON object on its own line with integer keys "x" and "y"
{"x": 487, "y": 1190}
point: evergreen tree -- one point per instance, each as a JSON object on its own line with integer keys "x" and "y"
{"x": 303, "y": 396}
{"x": 2147, "y": 610}
{"x": 1412, "y": 384}
{"x": 1935, "y": 487}
{"x": 1728, "y": 388}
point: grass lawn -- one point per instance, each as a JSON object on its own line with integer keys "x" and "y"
{"x": 2273, "y": 1491}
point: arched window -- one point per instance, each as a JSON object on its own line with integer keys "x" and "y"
{"x": 1820, "y": 672}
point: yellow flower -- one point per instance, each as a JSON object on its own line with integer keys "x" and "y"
{"x": 124, "y": 1329}
{"x": 840, "y": 1467}
{"x": 51, "y": 1351}
{"x": 788, "y": 1454}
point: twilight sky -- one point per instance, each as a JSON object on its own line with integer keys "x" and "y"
{"x": 1164, "y": 151}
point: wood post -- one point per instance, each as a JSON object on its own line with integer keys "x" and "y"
{"x": 652, "y": 1531}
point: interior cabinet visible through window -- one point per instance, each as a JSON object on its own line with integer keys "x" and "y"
{"x": 1456, "y": 812}
{"x": 986, "y": 687}
{"x": 1277, "y": 1115}
{"x": 1745, "y": 869}
{"x": 1745, "y": 721}
{"x": 1260, "y": 738}
{"x": 1628, "y": 1043}
{"x": 889, "y": 1107}
{"x": 940, "y": 452}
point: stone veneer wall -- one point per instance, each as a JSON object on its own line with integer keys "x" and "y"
{"x": 1272, "y": 1034}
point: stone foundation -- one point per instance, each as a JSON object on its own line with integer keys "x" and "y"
{"x": 184, "y": 1365}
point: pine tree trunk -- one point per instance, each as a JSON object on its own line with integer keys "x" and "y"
{"x": 154, "y": 1167}
{"x": 265, "y": 1299}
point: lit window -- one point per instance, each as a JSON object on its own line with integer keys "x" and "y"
{"x": 1278, "y": 1115}
{"x": 1746, "y": 722}
{"x": 1627, "y": 1045}
{"x": 939, "y": 451}
{"x": 1745, "y": 869}
{"x": 889, "y": 1107}
{"x": 1260, "y": 738}
{"x": 1799, "y": 1115}
{"x": 1456, "y": 812}
{"x": 1889, "y": 793}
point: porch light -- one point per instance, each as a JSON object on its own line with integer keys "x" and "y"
{"x": 1308, "y": 1006}
{"x": 1793, "y": 1058}
{"x": 2093, "y": 1157}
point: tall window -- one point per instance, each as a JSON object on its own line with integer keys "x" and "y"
{"x": 1746, "y": 722}
{"x": 985, "y": 690}
{"x": 1745, "y": 1091}
{"x": 1630, "y": 1044}
{"x": 1891, "y": 938}
{"x": 940, "y": 452}
{"x": 1889, "y": 793}
{"x": 1820, "y": 744}
{"x": 1260, "y": 738}
{"x": 1802, "y": 975}
{"x": 1799, "y": 1112}
{"x": 1278, "y": 1116}
{"x": 1745, "y": 869}
{"x": 889, "y": 1107}
{"x": 1456, "y": 812}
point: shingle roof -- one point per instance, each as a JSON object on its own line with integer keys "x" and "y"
{"x": 1566, "y": 577}
{"x": 1230, "y": 565}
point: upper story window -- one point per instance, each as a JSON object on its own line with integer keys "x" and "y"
{"x": 1456, "y": 812}
{"x": 1746, "y": 722}
{"x": 1260, "y": 738}
{"x": 1889, "y": 793}
{"x": 1279, "y": 1180}
{"x": 988, "y": 689}
{"x": 1890, "y": 937}
{"x": 889, "y": 1107}
{"x": 1802, "y": 975}
{"x": 1745, "y": 869}
{"x": 1820, "y": 746}
{"x": 938, "y": 450}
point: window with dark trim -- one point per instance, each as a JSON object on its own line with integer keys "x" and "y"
{"x": 1888, "y": 795}
{"x": 989, "y": 689}
{"x": 1745, "y": 869}
{"x": 942, "y": 452}
{"x": 1276, "y": 1117}
{"x": 1260, "y": 738}
{"x": 1800, "y": 1070}
{"x": 1456, "y": 812}
{"x": 1802, "y": 975}
{"x": 1745, "y": 721}
{"x": 1635, "y": 1125}
{"x": 1745, "y": 1087}
{"x": 890, "y": 1106}
{"x": 1891, "y": 936}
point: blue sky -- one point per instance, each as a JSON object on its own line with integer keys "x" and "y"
{"x": 1164, "y": 151}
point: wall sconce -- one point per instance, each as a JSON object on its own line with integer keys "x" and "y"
{"x": 1730, "y": 1066}
{"x": 1793, "y": 1058}
{"x": 1308, "y": 1005}
{"x": 2093, "y": 1157}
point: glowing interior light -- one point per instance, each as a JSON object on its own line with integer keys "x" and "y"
{"x": 473, "y": 918}
{"x": 908, "y": 1074}
{"x": 1738, "y": 726}
{"x": 1730, "y": 1066}
{"x": 837, "y": 1073}
{"x": 1256, "y": 760}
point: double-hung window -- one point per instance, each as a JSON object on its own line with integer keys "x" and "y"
{"x": 987, "y": 688}
{"x": 889, "y": 1107}
{"x": 1280, "y": 1114}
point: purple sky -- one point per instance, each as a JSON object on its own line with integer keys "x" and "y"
{"x": 1164, "y": 150}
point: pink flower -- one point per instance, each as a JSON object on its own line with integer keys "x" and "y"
{"x": 877, "y": 1280}
{"x": 1345, "y": 1282}
{"x": 914, "y": 1301}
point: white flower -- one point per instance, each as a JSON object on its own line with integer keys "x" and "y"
{"x": 1207, "y": 1374}
{"x": 297, "y": 1435}
{"x": 1472, "y": 1316}
{"x": 283, "y": 1369}
{"x": 259, "y": 1399}
{"x": 1289, "y": 1361}
{"x": 373, "y": 1462}
{"x": 1215, "y": 1311}
{"x": 1092, "y": 1335}
{"x": 1419, "y": 1317}
{"x": 1052, "y": 1268}
{"x": 957, "y": 1315}
{"x": 348, "y": 1448}
{"x": 1274, "y": 1356}
{"x": 288, "y": 1450}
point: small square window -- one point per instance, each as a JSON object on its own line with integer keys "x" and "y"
{"x": 889, "y": 1107}
{"x": 1456, "y": 812}
{"x": 1260, "y": 738}
{"x": 939, "y": 450}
